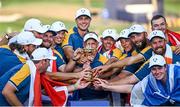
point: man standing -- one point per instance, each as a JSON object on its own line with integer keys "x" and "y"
{"x": 74, "y": 39}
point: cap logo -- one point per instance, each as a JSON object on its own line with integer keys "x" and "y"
{"x": 110, "y": 31}
{"x": 154, "y": 33}
{"x": 155, "y": 59}
{"x": 133, "y": 28}
{"x": 83, "y": 11}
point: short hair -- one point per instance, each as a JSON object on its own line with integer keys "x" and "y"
{"x": 157, "y": 17}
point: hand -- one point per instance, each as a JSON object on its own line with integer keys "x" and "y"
{"x": 80, "y": 84}
{"x": 100, "y": 84}
{"x": 177, "y": 50}
{"x": 101, "y": 69}
{"x": 77, "y": 54}
{"x": 86, "y": 74}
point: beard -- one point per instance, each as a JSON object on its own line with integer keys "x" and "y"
{"x": 159, "y": 50}
{"x": 141, "y": 45}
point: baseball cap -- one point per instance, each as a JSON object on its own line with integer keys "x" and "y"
{"x": 26, "y": 38}
{"x": 12, "y": 40}
{"x": 156, "y": 33}
{"x": 58, "y": 26}
{"x": 136, "y": 29}
{"x": 81, "y": 12}
{"x": 124, "y": 34}
{"x": 91, "y": 35}
{"x": 157, "y": 60}
{"x": 34, "y": 25}
{"x": 109, "y": 33}
{"x": 42, "y": 53}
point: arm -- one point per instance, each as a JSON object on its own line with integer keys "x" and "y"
{"x": 127, "y": 80}
{"x": 115, "y": 88}
{"x": 122, "y": 63}
{"x": 68, "y": 51}
{"x": 80, "y": 84}
{"x": 61, "y": 76}
{"x": 9, "y": 94}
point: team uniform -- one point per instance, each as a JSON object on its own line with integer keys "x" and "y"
{"x": 61, "y": 51}
{"x": 144, "y": 70}
{"x": 19, "y": 77}
{"x": 55, "y": 64}
{"x": 134, "y": 67}
{"x": 114, "y": 52}
{"x": 152, "y": 92}
{"x": 9, "y": 59}
{"x": 90, "y": 93}
{"x": 73, "y": 39}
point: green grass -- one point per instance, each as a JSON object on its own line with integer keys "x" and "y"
{"x": 172, "y": 7}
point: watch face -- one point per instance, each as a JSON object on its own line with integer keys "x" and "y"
{"x": 6, "y": 36}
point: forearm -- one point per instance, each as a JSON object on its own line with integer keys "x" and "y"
{"x": 62, "y": 76}
{"x": 70, "y": 66}
{"x": 120, "y": 88}
{"x": 68, "y": 51}
{"x": 127, "y": 80}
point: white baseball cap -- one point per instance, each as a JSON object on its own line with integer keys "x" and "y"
{"x": 58, "y": 26}
{"x": 34, "y": 25}
{"x": 12, "y": 40}
{"x": 156, "y": 33}
{"x": 26, "y": 38}
{"x": 91, "y": 35}
{"x": 109, "y": 33}
{"x": 136, "y": 29}
{"x": 124, "y": 33}
{"x": 42, "y": 53}
{"x": 81, "y": 12}
{"x": 157, "y": 60}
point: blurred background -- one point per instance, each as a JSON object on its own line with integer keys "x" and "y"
{"x": 117, "y": 14}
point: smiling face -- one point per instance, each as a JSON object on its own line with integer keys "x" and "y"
{"x": 83, "y": 22}
{"x": 58, "y": 39}
{"x": 159, "y": 72}
{"x": 107, "y": 43}
{"x": 126, "y": 44}
{"x": 158, "y": 45}
{"x": 159, "y": 24}
{"x": 47, "y": 39}
{"x": 139, "y": 40}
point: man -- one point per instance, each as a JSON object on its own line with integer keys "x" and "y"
{"x": 57, "y": 67}
{"x": 18, "y": 51}
{"x": 60, "y": 29}
{"x": 108, "y": 48}
{"x": 138, "y": 37}
{"x": 23, "y": 81}
{"x": 160, "y": 87}
{"x": 74, "y": 39}
{"x": 94, "y": 59}
{"x": 158, "y": 22}
{"x": 160, "y": 47}
{"x": 36, "y": 27}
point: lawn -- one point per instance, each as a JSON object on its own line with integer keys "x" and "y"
{"x": 64, "y": 10}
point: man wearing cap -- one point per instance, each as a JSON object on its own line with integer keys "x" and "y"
{"x": 74, "y": 38}
{"x": 57, "y": 68}
{"x": 24, "y": 81}
{"x": 17, "y": 51}
{"x": 158, "y": 22}
{"x": 94, "y": 59}
{"x": 159, "y": 47}
{"x": 60, "y": 29}
{"x": 108, "y": 48}
{"x": 138, "y": 37}
{"x": 160, "y": 87}
{"x": 36, "y": 27}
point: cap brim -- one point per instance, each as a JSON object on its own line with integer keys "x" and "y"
{"x": 83, "y": 15}
{"x": 42, "y": 29}
{"x": 52, "y": 58}
{"x": 37, "y": 42}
